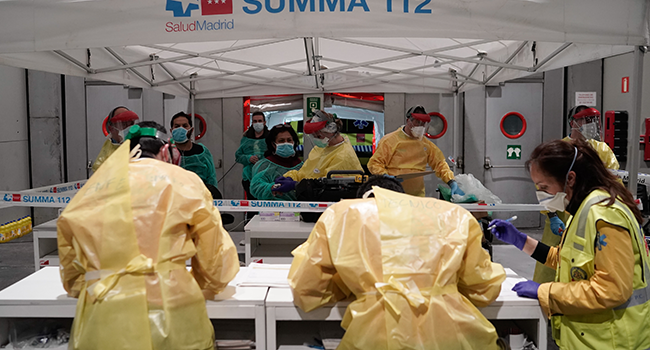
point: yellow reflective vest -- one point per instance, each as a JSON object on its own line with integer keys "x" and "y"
{"x": 626, "y": 326}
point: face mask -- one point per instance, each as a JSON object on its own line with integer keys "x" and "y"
{"x": 179, "y": 135}
{"x": 417, "y": 131}
{"x": 590, "y": 131}
{"x": 120, "y": 137}
{"x": 322, "y": 143}
{"x": 258, "y": 127}
{"x": 284, "y": 150}
{"x": 557, "y": 202}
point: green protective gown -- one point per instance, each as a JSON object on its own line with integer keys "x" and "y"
{"x": 265, "y": 173}
{"x": 247, "y": 148}
{"x": 202, "y": 165}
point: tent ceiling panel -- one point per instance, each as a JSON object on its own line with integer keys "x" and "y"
{"x": 261, "y": 47}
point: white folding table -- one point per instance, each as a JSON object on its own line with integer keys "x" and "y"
{"x": 508, "y": 306}
{"x": 41, "y": 295}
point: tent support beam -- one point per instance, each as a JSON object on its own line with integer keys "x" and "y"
{"x": 173, "y": 77}
{"x": 140, "y": 75}
{"x": 414, "y": 52}
{"x": 514, "y": 54}
{"x": 634, "y": 125}
{"x": 74, "y": 61}
{"x": 470, "y": 76}
{"x": 551, "y": 56}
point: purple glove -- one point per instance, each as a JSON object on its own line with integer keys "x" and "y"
{"x": 526, "y": 289}
{"x": 286, "y": 184}
{"x": 507, "y": 232}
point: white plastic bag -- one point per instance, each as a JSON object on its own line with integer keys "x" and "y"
{"x": 471, "y": 186}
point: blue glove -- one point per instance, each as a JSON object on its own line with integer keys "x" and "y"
{"x": 455, "y": 189}
{"x": 286, "y": 184}
{"x": 557, "y": 226}
{"x": 526, "y": 289}
{"x": 507, "y": 232}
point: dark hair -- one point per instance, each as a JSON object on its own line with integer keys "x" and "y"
{"x": 250, "y": 132}
{"x": 178, "y": 115}
{"x": 389, "y": 183}
{"x": 553, "y": 158}
{"x": 112, "y": 114}
{"x": 273, "y": 133}
{"x": 150, "y": 146}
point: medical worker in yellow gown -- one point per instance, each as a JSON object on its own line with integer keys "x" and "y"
{"x": 123, "y": 242}
{"x": 585, "y": 124}
{"x": 333, "y": 151}
{"x": 406, "y": 150}
{"x": 117, "y": 124}
{"x": 415, "y": 266}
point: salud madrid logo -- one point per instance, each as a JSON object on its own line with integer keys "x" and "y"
{"x": 190, "y": 8}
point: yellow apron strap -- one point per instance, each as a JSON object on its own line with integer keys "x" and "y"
{"x": 408, "y": 290}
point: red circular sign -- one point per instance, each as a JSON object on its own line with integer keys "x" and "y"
{"x": 521, "y": 132}
{"x": 444, "y": 123}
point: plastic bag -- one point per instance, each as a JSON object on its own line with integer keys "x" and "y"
{"x": 471, "y": 186}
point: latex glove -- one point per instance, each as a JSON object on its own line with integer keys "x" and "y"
{"x": 508, "y": 233}
{"x": 557, "y": 226}
{"x": 454, "y": 188}
{"x": 526, "y": 289}
{"x": 286, "y": 184}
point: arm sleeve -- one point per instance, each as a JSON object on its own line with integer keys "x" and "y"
{"x": 212, "y": 172}
{"x": 294, "y": 174}
{"x": 438, "y": 164}
{"x": 70, "y": 269}
{"x": 240, "y": 156}
{"x": 380, "y": 160}
{"x": 313, "y": 277}
{"x": 479, "y": 278}
{"x": 610, "y": 285}
{"x": 216, "y": 262}
{"x": 262, "y": 181}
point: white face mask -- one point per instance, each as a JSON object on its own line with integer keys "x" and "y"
{"x": 258, "y": 127}
{"x": 417, "y": 131}
{"x": 557, "y": 202}
{"x": 590, "y": 131}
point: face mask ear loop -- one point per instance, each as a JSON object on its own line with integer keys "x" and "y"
{"x": 566, "y": 178}
{"x": 368, "y": 193}
{"x": 136, "y": 152}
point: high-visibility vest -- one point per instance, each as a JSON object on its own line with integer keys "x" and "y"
{"x": 625, "y": 326}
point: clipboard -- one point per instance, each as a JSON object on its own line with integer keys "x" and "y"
{"x": 409, "y": 176}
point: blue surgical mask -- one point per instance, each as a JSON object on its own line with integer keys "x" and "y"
{"x": 284, "y": 150}
{"x": 179, "y": 135}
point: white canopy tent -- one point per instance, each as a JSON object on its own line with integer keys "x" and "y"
{"x": 225, "y": 48}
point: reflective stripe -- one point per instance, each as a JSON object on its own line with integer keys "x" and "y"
{"x": 582, "y": 220}
{"x": 638, "y": 297}
{"x": 578, "y": 246}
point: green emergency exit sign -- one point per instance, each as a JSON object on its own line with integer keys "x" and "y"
{"x": 513, "y": 152}
{"x": 313, "y": 104}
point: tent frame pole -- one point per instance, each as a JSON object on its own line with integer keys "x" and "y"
{"x": 634, "y": 129}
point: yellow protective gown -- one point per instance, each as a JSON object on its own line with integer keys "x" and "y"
{"x": 544, "y": 273}
{"x": 122, "y": 253}
{"x": 323, "y": 160}
{"x": 415, "y": 265}
{"x": 107, "y": 149}
{"x": 398, "y": 153}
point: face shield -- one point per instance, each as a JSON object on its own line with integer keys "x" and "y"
{"x": 419, "y": 124}
{"x": 321, "y": 128}
{"x": 119, "y": 124}
{"x": 169, "y": 151}
{"x": 587, "y": 123}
